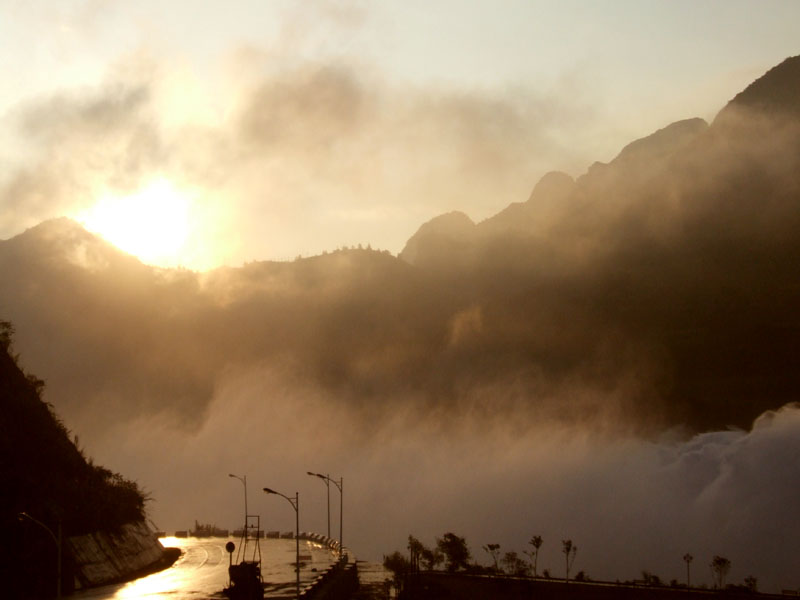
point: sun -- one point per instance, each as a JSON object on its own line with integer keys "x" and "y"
{"x": 152, "y": 223}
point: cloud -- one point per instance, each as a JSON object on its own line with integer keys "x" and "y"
{"x": 326, "y": 154}
{"x": 77, "y": 146}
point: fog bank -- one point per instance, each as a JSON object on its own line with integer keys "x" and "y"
{"x": 628, "y": 504}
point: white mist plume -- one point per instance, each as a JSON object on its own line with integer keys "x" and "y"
{"x": 628, "y": 504}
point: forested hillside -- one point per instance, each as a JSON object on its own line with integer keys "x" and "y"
{"x": 46, "y": 476}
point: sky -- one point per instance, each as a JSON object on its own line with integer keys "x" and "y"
{"x": 201, "y": 134}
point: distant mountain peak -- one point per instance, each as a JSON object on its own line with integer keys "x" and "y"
{"x": 449, "y": 229}
{"x": 662, "y": 142}
{"x": 777, "y": 92}
{"x": 547, "y": 198}
{"x": 63, "y": 238}
{"x": 58, "y": 226}
{"x": 553, "y": 183}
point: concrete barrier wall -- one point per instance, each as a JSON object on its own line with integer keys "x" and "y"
{"x": 105, "y": 557}
{"x": 339, "y": 582}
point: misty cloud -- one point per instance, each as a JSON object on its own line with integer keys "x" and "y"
{"x": 327, "y": 149}
{"x": 628, "y": 504}
{"x": 77, "y": 145}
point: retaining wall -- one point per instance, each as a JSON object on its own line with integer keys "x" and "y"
{"x": 105, "y": 557}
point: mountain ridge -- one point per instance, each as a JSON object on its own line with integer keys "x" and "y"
{"x": 775, "y": 93}
{"x": 656, "y": 291}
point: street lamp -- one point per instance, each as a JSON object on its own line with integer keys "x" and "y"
{"x": 242, "y": 551}
{"x": 327, "y": 481}
{"x": 244, "y": 482}
{"x": 688, "y": 558}
{"x": 56, "y": 539}
{"x": 339, "y": 484}
{"x": 295, "y": 502}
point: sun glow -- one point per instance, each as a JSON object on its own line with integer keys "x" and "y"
{"x": 152, "y": 224}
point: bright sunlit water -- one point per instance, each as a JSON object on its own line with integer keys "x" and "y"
{"x": 202, "y": 570}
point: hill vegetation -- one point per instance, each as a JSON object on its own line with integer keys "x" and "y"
{"x": 46, "y": 476}
{"x": 453, "y": 554}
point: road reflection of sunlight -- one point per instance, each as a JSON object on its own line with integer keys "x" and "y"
{"x": 170, "y": 541}
{"x": 143, "y": 588}
{"x": 201, "y": 572}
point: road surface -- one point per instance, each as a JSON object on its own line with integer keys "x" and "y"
{"x": 202, "y": 571}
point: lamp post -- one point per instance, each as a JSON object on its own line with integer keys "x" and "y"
{"x": 327, "y": 481}
{"x": 295, "y": 502}
{"x": 688, "y": 558}
{"x": 340, "y": 485}
{"x": 244, "y": 482}
{"x": 56, "y": 539}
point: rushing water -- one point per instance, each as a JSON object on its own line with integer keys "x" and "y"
{"x": 202, "y": 570}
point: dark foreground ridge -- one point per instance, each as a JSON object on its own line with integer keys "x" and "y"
{"x": 54, "y": 498}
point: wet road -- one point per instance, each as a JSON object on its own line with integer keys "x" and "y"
{"x": 202, "y": 571}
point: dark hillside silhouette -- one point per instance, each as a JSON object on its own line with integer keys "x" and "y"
{"x": 45, "y": 475}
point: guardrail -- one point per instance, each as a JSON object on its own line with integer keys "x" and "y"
{"x": 339, "y": 582}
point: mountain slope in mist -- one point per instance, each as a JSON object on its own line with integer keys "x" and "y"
{"x": 654, "y": 291}
{"x": 679, "y": 252}
{"x": 118, "y": 338}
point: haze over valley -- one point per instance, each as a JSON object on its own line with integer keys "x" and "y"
{"x": 608, "y": 356}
